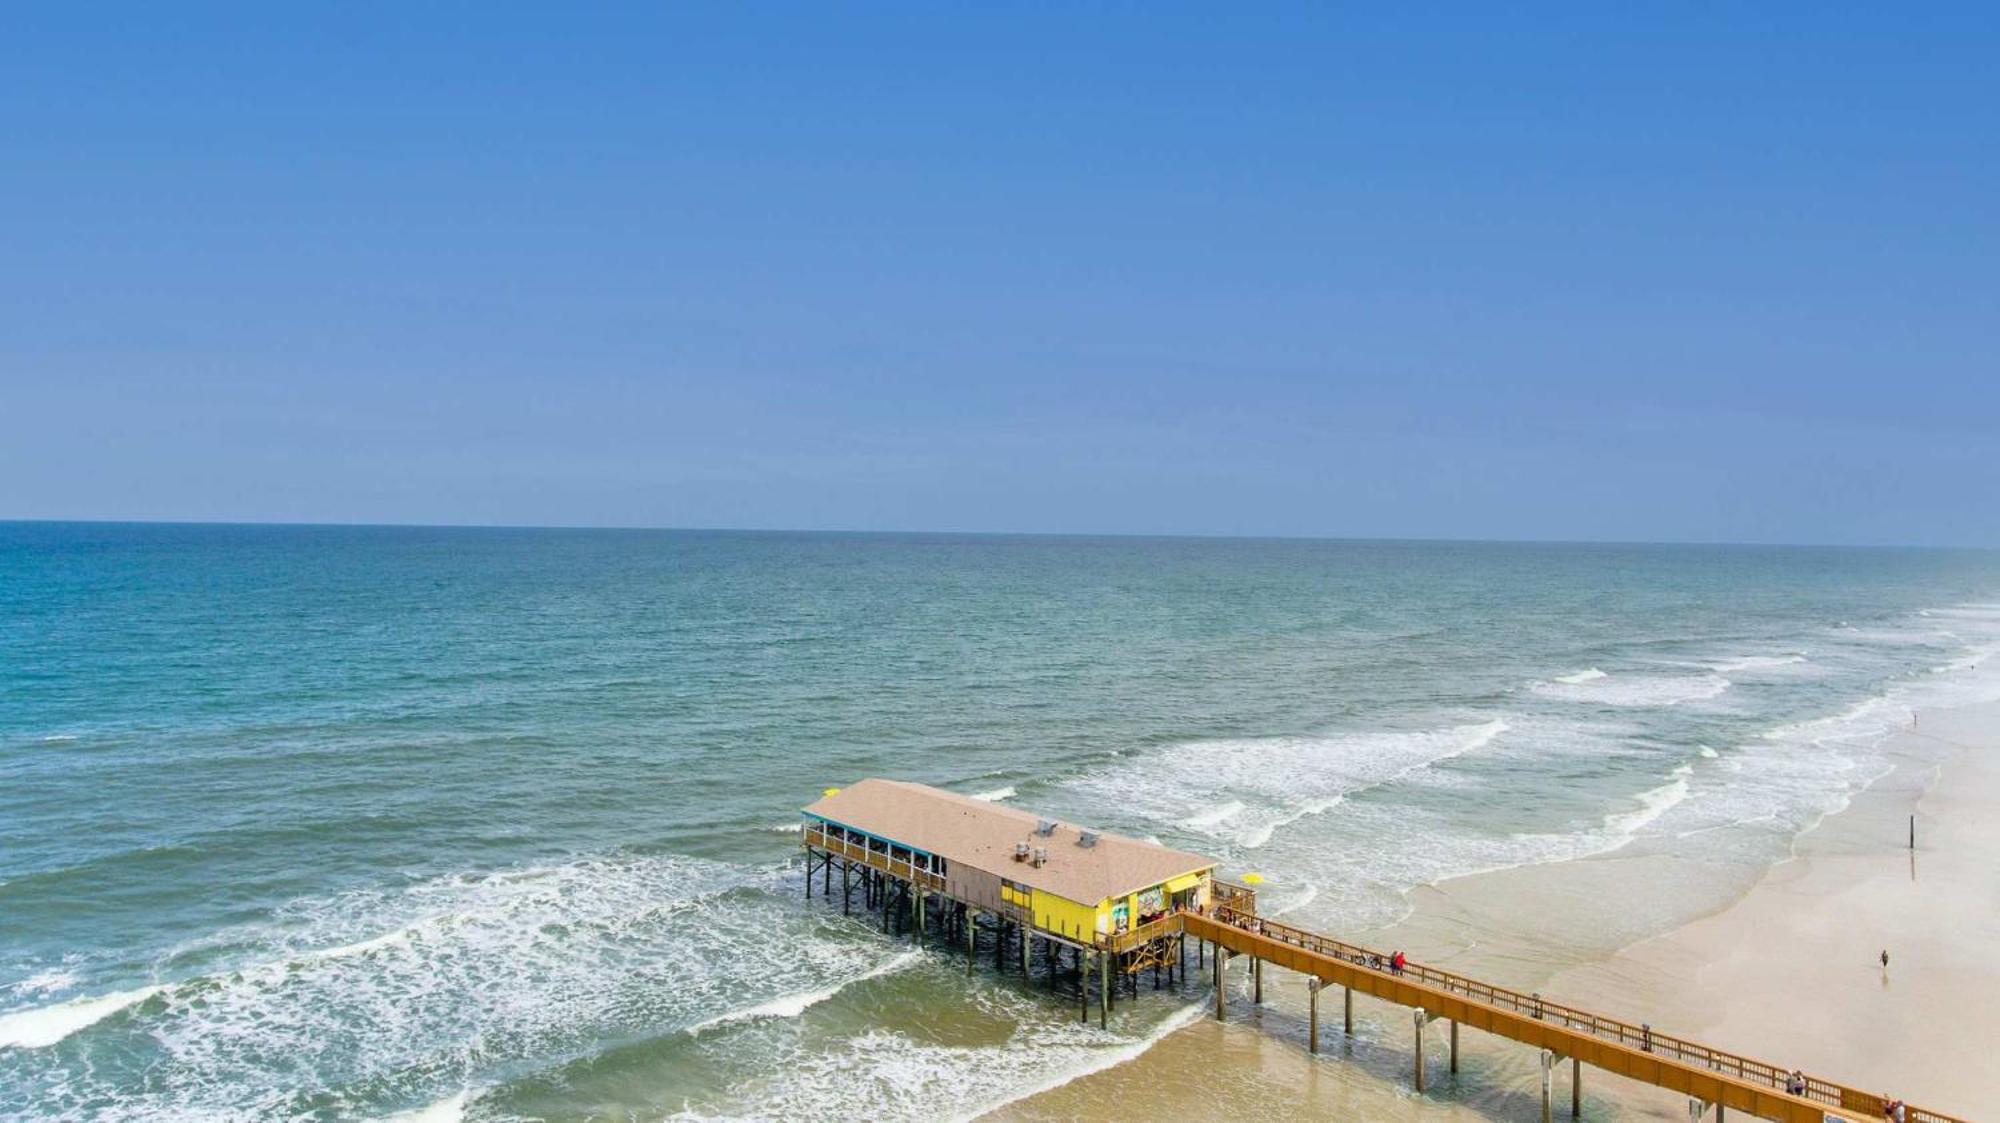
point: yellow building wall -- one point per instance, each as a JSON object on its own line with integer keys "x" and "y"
{"x": 1060, "y": 914}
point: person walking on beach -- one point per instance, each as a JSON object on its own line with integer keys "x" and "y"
{"x": 1885, "y": 961}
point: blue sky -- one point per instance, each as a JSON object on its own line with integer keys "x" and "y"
{"x": 1598, "y": 272}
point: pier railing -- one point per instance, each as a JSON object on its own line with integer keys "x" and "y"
{"x": 1642, "y": 1037}
{"x": 894, "y": 867}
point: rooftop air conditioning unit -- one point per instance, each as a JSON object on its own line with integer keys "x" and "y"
{"x": 1041, "y": 855}
{"x": 1087, "y": 839}
{"x": 1020, "y": 851}
{"x": 1045, "y": 827}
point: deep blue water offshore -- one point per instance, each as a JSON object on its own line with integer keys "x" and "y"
{"x": 338, "y": 823}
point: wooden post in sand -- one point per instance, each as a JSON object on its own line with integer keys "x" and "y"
{"x": 1576, "y": 1087}
{"x": 1454, "y": 1045}
{"x": 1256, "y": 981}
{"x": 1419, "y": 1012}
{"x": 1347, "y": 1002}
{"x": 1548, "y": 1085}
{"x": 1312, "y": 999}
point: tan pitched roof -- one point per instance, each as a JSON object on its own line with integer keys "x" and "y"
{"x": 982, "y": 835}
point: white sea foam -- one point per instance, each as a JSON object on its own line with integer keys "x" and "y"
{"x": 1758, "y": 663}
{"x": 450, "y": 977}
{"x": 1220, "y": 813}
{"x": 785, "y": 828}
{"x": 1293, "y": 904}
{"x": 1650, "y": 805}
{"x": 883, "y": 1074}
{"x": 1243, "y": 790}
{"x": 451, "y": 1109}
{"x": 57, "y": 738}
{"x": 1633, "y": 690}
{"x": 996, "y": 795}
{"x": 1590, "y": 675}
{"x": 42, "y": 1026}
{"x": 46, "y": 981}
{"x": 792, "y": 1005}
{"x": 1708, "y": 752}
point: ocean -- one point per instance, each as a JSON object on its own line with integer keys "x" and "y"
{"x": 346, "y": 823}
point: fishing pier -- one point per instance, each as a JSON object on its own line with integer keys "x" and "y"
{"x": 1097, "y": 913}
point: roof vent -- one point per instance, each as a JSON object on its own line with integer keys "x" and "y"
{"x": 1045, "y": 827}
{"x": 1020, "y": 851}
{"x": 1041, "y": 855}
{"x": 1087, "y": 839}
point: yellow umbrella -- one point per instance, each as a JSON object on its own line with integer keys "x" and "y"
{"x": 1253, "y": 879}
{"x": 830, "y": 791}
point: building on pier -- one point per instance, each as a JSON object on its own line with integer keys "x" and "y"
{"x": 1080, "y": 884}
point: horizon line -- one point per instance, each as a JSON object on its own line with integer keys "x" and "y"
{"x": 1059, "y": 534}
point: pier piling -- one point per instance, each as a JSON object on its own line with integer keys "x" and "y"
{"x": 1548, "y": 1085}
{"x": 1420, "y": 1019}
{"x": 1312, "y": 1017}
{"x": 1221, "y": 993}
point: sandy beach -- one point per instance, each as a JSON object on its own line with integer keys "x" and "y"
{"x": 1775, "y": 961}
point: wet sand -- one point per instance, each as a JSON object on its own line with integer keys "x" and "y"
{"x": 1778, "y": 962}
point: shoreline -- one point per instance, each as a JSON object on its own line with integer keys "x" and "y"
{"x": 1792, "y": 943}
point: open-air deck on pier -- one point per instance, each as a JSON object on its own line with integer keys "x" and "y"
{"x": 1103, "y": 910}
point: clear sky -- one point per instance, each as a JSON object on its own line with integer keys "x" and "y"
{"x": 1701, "y": 272}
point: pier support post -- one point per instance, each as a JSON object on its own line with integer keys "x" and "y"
{"x": 1312, "y": 1017}
{"x": 1256, "y": 981}
{"x": 920, "y": 916}
{"x": 971, "y": 939}
{"x": 826, "y": 876}
{"x": 1576, "y": 1087}
{"x": 1421, "y": 1017}
{"x": 1548, "y": 1085}
{"x": 1025, "y": 937}
{"x": 1104, "y": 991}
{"x": 1083, "y": 986}
{"x": 1221, "y": 994}
{"x": 1454, "y": 1046}
{"x": 809, "y": 875}
{"x": 846, "y": 874}
{"x": 1347, "y": 1005}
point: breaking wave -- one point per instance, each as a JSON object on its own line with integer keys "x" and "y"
{"x": 1243, "y": 790}
{"x": 43, "y": 1026}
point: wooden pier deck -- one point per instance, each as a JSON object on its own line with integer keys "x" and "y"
{"x": 1710, "y": 1077}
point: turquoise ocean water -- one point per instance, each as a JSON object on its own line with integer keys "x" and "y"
{"x": 348, "y": 823}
